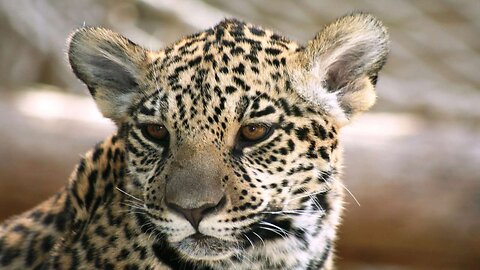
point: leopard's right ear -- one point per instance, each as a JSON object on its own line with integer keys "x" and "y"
{"x": 111, "y": 66}
{"x": 337, "y": 70}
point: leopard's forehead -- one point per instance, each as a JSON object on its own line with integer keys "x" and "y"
{"x": 233, "y": 54}
{"x": 236, "y": 38}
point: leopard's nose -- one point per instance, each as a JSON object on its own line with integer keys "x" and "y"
{"x": 195, "y": 215}
{"x": 194, "y": 187}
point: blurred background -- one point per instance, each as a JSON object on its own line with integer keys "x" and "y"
{"x": 413, "y": 163}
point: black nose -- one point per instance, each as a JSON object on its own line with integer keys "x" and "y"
{"x": 195, "y": 215}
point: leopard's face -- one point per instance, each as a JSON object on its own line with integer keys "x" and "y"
{"x": 231, "y": 125}
{"x": 266, "y": 148}
{"x": 228, "y": 147}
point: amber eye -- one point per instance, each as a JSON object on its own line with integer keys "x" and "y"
{"x": 254, "y": 132}
{"x": 155, "y": 132}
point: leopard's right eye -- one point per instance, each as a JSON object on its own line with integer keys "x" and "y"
{"x": 155, "y": 132}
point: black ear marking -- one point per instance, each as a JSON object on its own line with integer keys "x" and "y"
{"x": 373, "y": 79}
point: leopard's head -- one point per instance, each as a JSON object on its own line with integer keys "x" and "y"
{"x": 232, "y": 133}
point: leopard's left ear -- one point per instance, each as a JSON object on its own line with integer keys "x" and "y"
{"x": 337, "y": 70}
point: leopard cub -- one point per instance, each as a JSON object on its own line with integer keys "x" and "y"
{"x": 226, "y": 154}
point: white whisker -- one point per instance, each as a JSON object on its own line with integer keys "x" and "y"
{"x": 306, "y": 195}
{"x": 134, "y": 208}
{"x": 133, "y": 203}
{"x": 129, "y": 195}
{"x": 275, "y": 226}
{"x": 317, "y": 204}
{"x": 251, "y": 243}
{"x": 274, "y": 231}
{"x": 259, "y": 237}
{"x": 351, "y": 194}
{"x": 295, "y": 212}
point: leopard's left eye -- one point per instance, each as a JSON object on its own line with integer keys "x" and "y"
{"x": 252, "y": 134}
{"x": 155, "y": 132}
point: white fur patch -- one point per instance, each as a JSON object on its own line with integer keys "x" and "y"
{"x": 310, "y": 87}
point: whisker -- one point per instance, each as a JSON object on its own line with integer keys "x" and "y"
{"x": 129, "y": 195}
{"x": 134, "y": 209}
{"x": 158, "y": 236}
{"x": 130, "y": 212}
{"x": 251, "y": 243}
{"x": 135, "y": 206}
{"x": 295, "y": 212}
{"x": 317, "y": 204}
{"x": 275, "y": 226}
{"x": 152, "y": 231}
{"x": 132, "y": 203}
{"x": 231, "y": 262}
{"x": 259, "y": 237}
{"x": 349, "y": 192}
{"x": 146, "y": 224}
{"x": 274, "y": 231}
{"x": 242, "y": 256}
{"x": 307, "y": 195}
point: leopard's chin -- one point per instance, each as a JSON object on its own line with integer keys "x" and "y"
{"x": 200, "y": 247}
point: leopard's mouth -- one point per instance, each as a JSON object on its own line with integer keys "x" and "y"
{"x": 203, "y": 247}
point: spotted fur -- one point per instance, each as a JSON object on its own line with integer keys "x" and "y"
{"x": 282, "y": 196}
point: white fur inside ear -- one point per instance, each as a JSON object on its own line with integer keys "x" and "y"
{"x": 309, "y": 85}
{"x": 361, "y": 97}
{"x": 114, "y": 106}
